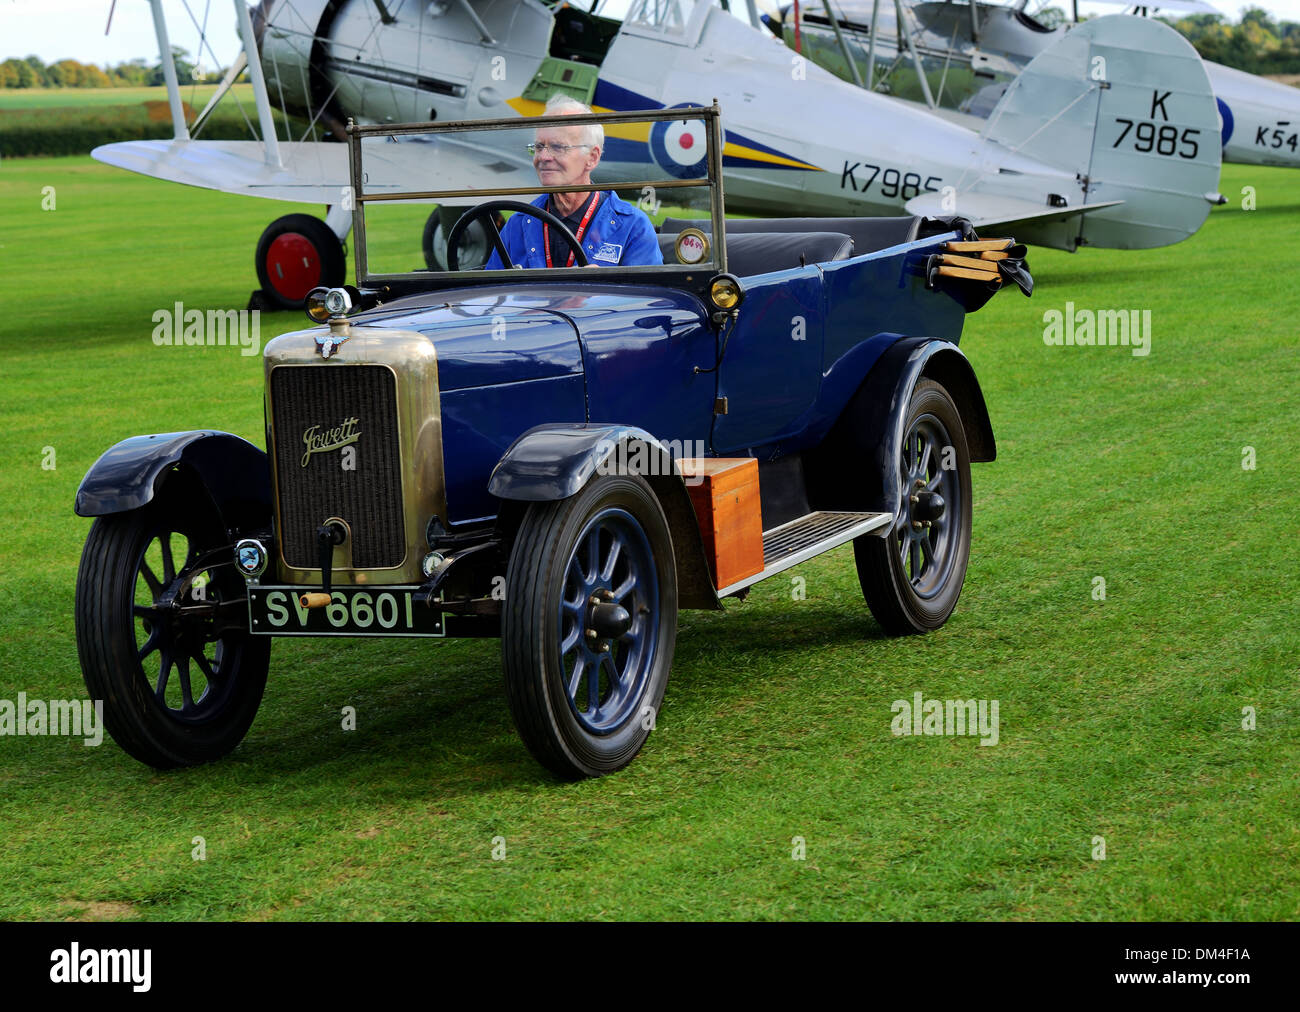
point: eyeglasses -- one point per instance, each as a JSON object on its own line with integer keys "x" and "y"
{"x": 543, "y": 148}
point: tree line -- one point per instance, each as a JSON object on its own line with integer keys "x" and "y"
{"x": 1257, "y": 44}
{"x": 32, "y": 72}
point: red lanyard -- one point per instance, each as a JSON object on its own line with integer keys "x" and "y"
{"x": 586, "y": 220}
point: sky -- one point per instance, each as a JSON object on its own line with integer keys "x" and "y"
{"x": 63, "y": 29}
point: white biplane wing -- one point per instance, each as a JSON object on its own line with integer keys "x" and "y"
{"x": 311, "y": 172}
{"x": 314, "y": 172}
{"x": 317, "y": 172}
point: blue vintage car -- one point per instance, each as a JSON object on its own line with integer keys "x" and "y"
{"x": 563, "y": 457}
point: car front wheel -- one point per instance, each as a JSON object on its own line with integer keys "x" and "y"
{"x": 589, "y": 625}
{"x": 162, "y": 633}
{"x": 913, "y": 577}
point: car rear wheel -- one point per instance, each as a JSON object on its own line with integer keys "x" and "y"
{"x": 913, "y": 577}
{"x": 161, "y": 633}
{"x": 589, "y": 625}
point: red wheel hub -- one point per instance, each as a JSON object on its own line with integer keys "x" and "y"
{"x": 293, "y": 265}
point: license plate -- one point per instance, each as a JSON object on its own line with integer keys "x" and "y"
{"x": 352, "y": 611}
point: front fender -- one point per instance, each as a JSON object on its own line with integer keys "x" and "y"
{"x": 552, "y": 462}
{"x": 235, "y": 473}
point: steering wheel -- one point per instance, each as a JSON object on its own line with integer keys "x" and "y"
{"x": 484, "y": 211}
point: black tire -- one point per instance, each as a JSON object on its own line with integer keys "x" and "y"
{"x": 436, "y": 229}
{"x": 913, "y": 577}
{"x": 130, "y": 649}
{"x": 577, "y": 726}
{"x": 295, "y": 254}
{"x": 489, "y": 214}
{"x": 434, "y": 241}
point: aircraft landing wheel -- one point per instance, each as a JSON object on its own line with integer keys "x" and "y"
{"x": 296, "y": 254}
{"x": 475, "y": 247}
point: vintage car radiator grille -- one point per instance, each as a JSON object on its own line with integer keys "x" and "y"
{"x": 369, "y": 498}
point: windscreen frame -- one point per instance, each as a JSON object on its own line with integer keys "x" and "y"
{"x": 710, "y": 115}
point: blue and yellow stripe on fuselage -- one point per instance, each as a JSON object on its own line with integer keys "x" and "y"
{"x": 630, "y": 142}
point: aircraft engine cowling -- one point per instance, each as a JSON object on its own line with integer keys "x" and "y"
{"x": 292, "y": 38}
{"x": 376, "y": 63}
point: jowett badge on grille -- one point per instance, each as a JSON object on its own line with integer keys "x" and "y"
{"x": 317, "y": 441}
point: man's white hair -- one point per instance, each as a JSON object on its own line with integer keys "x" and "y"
{"x": 567, "y": 105}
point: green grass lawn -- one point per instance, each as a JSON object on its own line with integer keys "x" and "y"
{"x": 74, "y": 121}
{"x": 1120, "y": 718}
{"x": 50, "y": 98}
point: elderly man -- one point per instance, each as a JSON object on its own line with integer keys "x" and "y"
{"x": 612, "y": 232}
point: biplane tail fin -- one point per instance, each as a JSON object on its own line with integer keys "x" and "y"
{"x": 1124, "y": 105}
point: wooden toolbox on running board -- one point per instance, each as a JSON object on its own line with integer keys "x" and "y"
{"x": 724, "y": 492}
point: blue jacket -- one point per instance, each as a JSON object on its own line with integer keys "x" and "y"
{"x": 619, "y": 234}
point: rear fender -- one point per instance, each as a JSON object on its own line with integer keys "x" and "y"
{"x": 872, "y": 427}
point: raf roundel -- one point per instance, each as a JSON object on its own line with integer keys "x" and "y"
{"x": 1226, "y": 121}
{"x": 680, "y": 147}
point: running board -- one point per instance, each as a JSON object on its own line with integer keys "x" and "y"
{"x": 798, "y": 541}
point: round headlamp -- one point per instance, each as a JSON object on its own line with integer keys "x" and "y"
{"x": 726, "y": 292}
{"x": 317, "y": 311}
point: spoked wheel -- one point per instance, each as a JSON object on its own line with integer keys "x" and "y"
{"x": 161, "y": 633}
{"x": 913, "y": 577}
{"x": 589, "y": 626}
{"x": 295, "y": 254}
